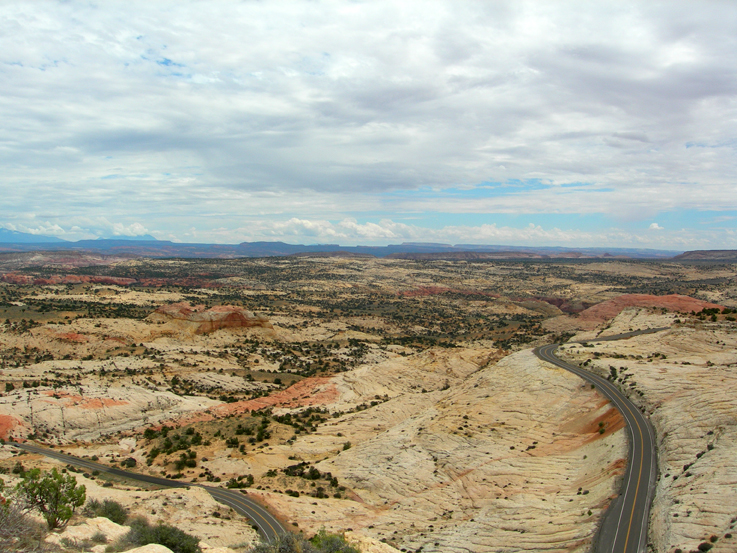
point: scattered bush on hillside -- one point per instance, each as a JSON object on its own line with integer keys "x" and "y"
{"x": 142, "y": 533}
{"x": 323, "y": 542}
{"x": 111, "y": 510}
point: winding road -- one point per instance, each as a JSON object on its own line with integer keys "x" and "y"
{"x": 625, "y": 524}
{"x": 268, "y": 526}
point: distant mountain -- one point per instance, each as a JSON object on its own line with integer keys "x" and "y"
{"x": 147, "y": 246}
{"x": 145, "y": 237}
{"x": 708, "y": 255}
{"x": 15, "y": 237}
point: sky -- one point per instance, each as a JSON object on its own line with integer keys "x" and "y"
{"x": 576, "y": 124}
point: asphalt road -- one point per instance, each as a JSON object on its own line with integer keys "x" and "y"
{"x": 625, "y": 525}
{"x": 267, "y": 525}
{"x": 624, "y": 529}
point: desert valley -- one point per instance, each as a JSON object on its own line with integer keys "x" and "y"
{"x": 397, "y": 401}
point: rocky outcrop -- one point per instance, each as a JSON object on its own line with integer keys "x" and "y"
{"x": 609, "y": 309}
{"x": 88, "y": 529}
{"x": 18, "y": 278}
{"x": 204, "y": 321}
{"x": 88, "y": 412}
{"x": 708, "y": 255}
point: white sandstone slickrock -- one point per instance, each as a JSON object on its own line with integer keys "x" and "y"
{"x": 86, "y": 412}
{"x": 508, "y": 457}
{"x": 686, "y": 379}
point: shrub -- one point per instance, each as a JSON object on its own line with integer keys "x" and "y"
{"x": 142, "y": 533}
{"x": 129, "y": 463}
{"x": 323, "y": 542}
{"x": 331, "y": 543}
{"x": 56, "y": 496}
{"x": 98, "y": 537}
{"x": 111, "y": 510}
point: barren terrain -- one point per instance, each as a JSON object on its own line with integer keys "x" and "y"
{"x": 396, "y": 398}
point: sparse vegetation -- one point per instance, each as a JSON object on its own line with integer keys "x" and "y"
{"x": 143, "y": 533}
{"x": 322, "y": 542}
{"x": 107, "y": 508}
{"x": 55, "y": 495}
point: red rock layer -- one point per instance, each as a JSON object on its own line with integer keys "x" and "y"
{"x": 611, "y": 308}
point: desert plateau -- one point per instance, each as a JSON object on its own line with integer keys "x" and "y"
{"x": 397, "y": 402}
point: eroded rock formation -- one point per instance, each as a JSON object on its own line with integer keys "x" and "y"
{"x": 203, "y": 320}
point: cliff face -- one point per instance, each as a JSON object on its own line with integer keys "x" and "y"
{"x": 674, "y": 302}
{"x": 205, "y": 321}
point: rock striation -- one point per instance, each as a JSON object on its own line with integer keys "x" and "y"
{"x": 87, "y": 412}
{"x": 467, "y": 455}
{"x": 685, "y": 379}
{"x": 674, "y": 302}
{"x": 201, "y": 320}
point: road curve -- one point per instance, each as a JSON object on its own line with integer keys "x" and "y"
{"x": 268, "y": 526}
{"x": 625, "y": 525}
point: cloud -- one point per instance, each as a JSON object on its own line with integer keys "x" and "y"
{"x": 655, "y": 226}
{"x": 172, "y": 115}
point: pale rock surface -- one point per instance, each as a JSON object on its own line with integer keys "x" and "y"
{"x": 86, "y": 412}
{"x": 89, "y": 528}
{"x": 685, "y": 378}
{"x": 207, "y": 548}
{"x": 509, "y": 456}
{"x": 368, "y": 545}
{"x": 150, "y": 548}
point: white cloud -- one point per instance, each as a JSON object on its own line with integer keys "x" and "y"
{"x": 135, "y": 229}
{"x": 655, "y": 226}
{"x": 171, "y": 115}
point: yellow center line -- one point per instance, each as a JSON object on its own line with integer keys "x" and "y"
{"x": 639, "y": 477}
{"x": 639, "y": 474}
{"x": 237, "y": 500}
{"x": 613, "y": 390}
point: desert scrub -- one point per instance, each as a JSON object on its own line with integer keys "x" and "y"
{"x": 111, "y": 510}
{"x": 322, "y": 542}
{"x": 143, "y": 533}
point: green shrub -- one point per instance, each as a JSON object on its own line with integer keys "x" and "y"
{"x": 55, "y": 495}
{"x": 142, "y": 533}
{"x": 111, "y": 510}
{"x": 323, "y": 542}
{"x": 332, "y": 543}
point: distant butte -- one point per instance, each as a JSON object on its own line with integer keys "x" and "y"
{"x": 708, "y": 255}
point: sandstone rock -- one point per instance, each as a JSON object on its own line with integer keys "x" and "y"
{"x": 368, "y": 545}
{"x": 89, "y": 528}
{"x": 207, "y": 548}
{"x": 87, "y": 412}
{"x": 674, "y": 302}
{"x": 150, "y": 548}
{"x": 204, "y": 321}
{"x": 685, "y": 379}
{"x": 499, "y": 459}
